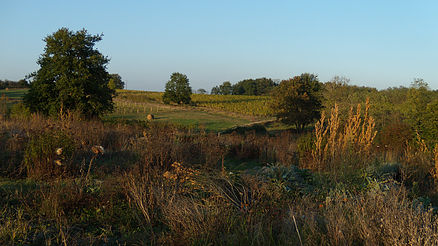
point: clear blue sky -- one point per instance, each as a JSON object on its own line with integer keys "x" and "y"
{"x": 374, "y": 43}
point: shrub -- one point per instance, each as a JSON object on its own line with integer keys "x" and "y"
{"x": 20, "y": 111}
{"x": 394, "y": 139}
{"x": 256, "y": 128}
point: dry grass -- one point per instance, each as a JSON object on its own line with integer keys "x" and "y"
{"x": 170, "y": 187}
{"x": 348, "y": 145}
{"x": 380, "y": 218}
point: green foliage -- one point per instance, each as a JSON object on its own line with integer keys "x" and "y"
{"x": 256, "y": 128}
{"x": 116, "y": 82}
{"x": 305, "y": 144}
{"x": 256, "y": 87}
{"x": 428, "y": 123}
{"x": 298, "y": 101}
{"x": 111, "y": 84}
{"x": 201, "y": 91}
{"x": 215, "y": 90}
{"x": 339, "y": 91}
{"x": 252, "y": 87}
{"x": 384, "y": 172}
{"x": 19, "y": 110}
{"x": 421, "y": 109}
{"x": 3, "y": 106}
{"x": 225, "y": 89}
{"x": 291, "y": 179}
{"x": 177, "y": 90}
{"x": 72, "y": 76}
{"x": 42, "y": 158}
{"x": 242, "y": 104}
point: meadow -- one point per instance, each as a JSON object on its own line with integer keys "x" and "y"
{"x": 240, "y": 104}
{"x": 210, "y": 112}
{"x": 125, "y": 180}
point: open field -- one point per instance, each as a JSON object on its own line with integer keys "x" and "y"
{"x": 210, "y": 112}
{"x": 136, "y": 105}
{"x": 256, "y": 106}
{"x": 12, "y": 96}
{"x": 189, "y": 117}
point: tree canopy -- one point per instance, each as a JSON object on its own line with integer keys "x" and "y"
{"x": 298, "y": 101}
{"x": 72, "y": 76}
{"x": 224, "y": 89}
{"x": 116, "y": 82}
{"x": 178, "y": 89}
{"x": 254, "y": 87}
{"x": 201, "y": 91}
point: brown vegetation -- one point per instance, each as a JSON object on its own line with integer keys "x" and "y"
{"x": 76, "y": 182}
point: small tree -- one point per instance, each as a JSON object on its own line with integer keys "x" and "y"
{"x": 178, "y": 89}
{"x": 201, "y": 91}
{"x": 116, "y": 82}
{"x": 226, "y": 88}
{"x": 298, "y": 101}
{"x": 215, "y": 90}
{"x": 72, "y": 76}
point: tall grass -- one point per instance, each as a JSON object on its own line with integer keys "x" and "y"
{"x": 162, "y": 184}
{"x": 349, "y": 145}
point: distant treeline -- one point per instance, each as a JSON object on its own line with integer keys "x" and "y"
{"x": 253, "y": 87}
{"x": 22, "y": 83}
{"x": 399, "y": 112}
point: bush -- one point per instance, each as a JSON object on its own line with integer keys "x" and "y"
{"x": 20, "y": 111}
{"x": 256, "y": 128}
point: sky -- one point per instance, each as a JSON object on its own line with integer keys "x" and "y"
{"x": 379, "y": 44}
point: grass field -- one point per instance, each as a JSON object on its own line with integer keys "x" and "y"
{"x": 12, "y": 96}
{"x": 256, "y": 106}
{"x": 189, "y": 117}
{"x": 211, "y": 112}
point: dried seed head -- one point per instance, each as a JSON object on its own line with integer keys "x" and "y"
{"x": 97, "y": 149}
{"x": 58, "y": 162}
{"x": 58, "y": 151}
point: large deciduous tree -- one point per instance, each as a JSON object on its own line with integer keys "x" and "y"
{"x": 298, "y": 101}
{"x": 72, "y": 76}
{"x": 178, "y": 89}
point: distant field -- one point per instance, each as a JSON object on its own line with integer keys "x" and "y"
{"x": 12, "y": 96}
{"x": 138, "y": 104}
{"x": 247, "y": 105}
{"x": 211, "y": 112}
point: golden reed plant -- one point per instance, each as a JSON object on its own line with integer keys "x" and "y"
{"x": 349, "y": 144}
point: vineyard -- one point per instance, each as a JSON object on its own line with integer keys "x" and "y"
{"x": 247, "y": 105}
